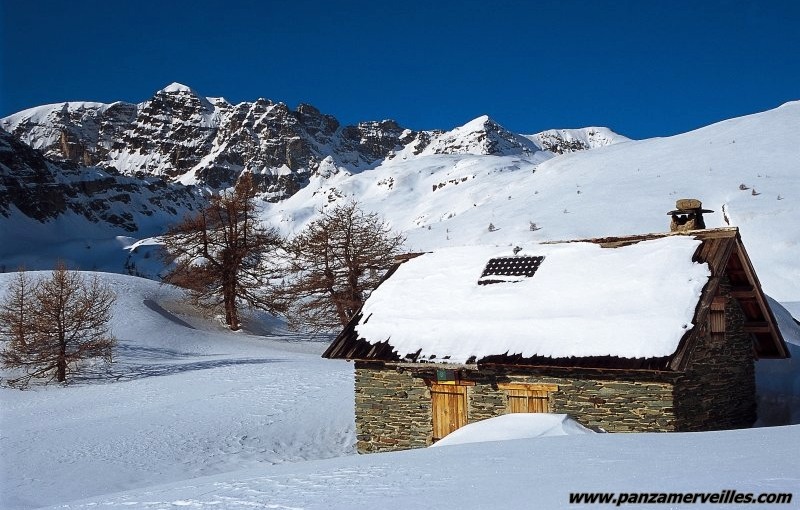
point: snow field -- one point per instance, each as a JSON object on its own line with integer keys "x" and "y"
{"x": 525, "y": 473}
{"x": 178, "y": 403}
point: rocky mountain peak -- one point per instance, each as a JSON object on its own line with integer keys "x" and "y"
{"x": 479, "y": 136}
{"x": 561, "y": 141}
{"x": 184, "y": 136}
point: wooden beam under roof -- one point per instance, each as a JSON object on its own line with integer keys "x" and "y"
{"x": 757, "y": 327}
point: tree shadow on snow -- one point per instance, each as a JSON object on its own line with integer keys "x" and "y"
{"x": 127, "y": 352}
{"x": 131, "y": 372}
{"x": 149, "y": 303}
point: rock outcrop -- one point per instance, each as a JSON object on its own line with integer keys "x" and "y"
{"x": 43, "y": 190}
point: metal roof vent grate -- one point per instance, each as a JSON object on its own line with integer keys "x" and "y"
{"x": 509, "y": 269}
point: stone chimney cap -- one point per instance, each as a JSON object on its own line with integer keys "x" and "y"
{"x": 689, "y": 205}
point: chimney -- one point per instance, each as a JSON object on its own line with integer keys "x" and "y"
{"x": 688, "y": 215}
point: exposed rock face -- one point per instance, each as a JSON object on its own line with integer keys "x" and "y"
{"x": 560, "y": 141}
{"x": 43, "y": 189}
{"x": 185, "y": 137}
{"x": 78, "y": 132}
{"x": 170, "y": 134}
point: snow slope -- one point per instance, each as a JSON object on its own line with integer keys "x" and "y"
{"x": 621, "y": 189}
{"x": 183, "y": 399}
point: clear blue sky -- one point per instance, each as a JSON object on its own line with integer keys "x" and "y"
{"x": 643, "y": 68}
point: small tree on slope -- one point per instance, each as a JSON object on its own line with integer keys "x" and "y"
{"x": 222, "y": 253}
{"x": 53, "y": 324}
{"x": 336, "y": 261}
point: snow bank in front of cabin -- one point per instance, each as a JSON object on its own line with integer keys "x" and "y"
{"x": 524, "y": 474}
{"x": 634, "y": 301}
{"x": 514, "y": 426}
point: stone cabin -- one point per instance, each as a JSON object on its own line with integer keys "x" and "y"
{"x": 653, "y": 332}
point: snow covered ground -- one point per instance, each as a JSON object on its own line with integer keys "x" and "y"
{"x": 260, "y": 416}
{"x": 183, "y": 399}
{"x": 526, "y": 473}
{"x": 191, "y": 415}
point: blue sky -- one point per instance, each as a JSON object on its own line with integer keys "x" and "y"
{"x": 644, "y": 69}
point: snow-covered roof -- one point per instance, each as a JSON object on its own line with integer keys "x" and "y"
{"x": 635, "y": 301}
{"x": 630, "y": 302}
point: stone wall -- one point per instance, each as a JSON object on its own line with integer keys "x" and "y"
{"x": 393, "y": 409}
{"x": 393, "y": 402}
{"x": 615, "y": 402}
{"x": 717, "y": 391}
{"x": 612, "y": 402}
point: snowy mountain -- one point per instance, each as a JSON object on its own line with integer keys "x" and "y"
{"x": 745, "y": 169}
{"x": 59, "y": 210}
{"x": 560, "y": 141}
{"x": 187, "y": 137}
{"x": 43, "y": 190}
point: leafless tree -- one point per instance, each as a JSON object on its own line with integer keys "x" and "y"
{"x": 53, "y": 324}
{"x": 16, "y": 313}
{"x": 222, "y": 254}
{"x": 336, "y": 261}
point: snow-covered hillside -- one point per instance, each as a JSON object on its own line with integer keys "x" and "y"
{"x": 746, "y": 169}
{"x": 241, "y": 420}
{"x": 184, "y": 398}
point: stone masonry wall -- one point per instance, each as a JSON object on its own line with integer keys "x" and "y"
{"x": 717, "y": 390}
{"x": 393, "y": 403}
{"x": 614, "y": 402}
{"x": 393, "y": 409}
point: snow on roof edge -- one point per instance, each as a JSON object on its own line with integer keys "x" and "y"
{"x": 460, "y": 321}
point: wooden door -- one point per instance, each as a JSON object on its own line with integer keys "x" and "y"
{"x": 449, "y": 408}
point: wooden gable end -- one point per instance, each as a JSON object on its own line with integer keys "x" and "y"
{"x": 724, "y": 252}
{"x": 761, "y": 323}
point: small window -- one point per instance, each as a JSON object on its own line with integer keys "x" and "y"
{"x": 528, "y": 398}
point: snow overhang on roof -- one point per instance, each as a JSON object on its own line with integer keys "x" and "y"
{"x": 635, "y": 301}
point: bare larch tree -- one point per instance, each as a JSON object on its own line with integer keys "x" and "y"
{"x": 222, "y": 254}
{"x": 53, "y": 324}
{"x": 336, "y": 261}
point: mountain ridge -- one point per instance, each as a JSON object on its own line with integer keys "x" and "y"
{"x": 475, "y": 184}
{"x": 189, "y": 138}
